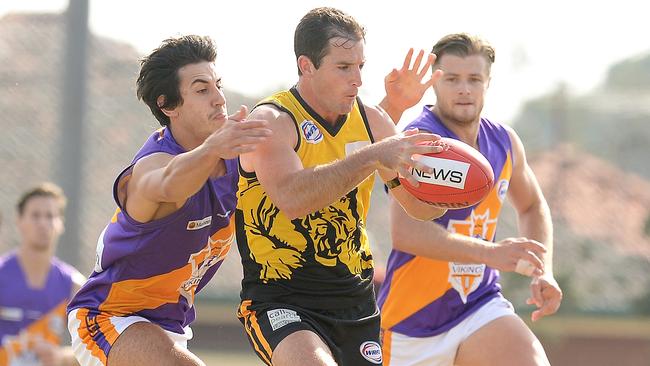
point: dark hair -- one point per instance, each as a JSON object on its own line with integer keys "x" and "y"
{"x": 45, "y": 189}
{"x": 320, "y": 25}
{"x": 159, "y": 71}
{"x": 463, "y": 45}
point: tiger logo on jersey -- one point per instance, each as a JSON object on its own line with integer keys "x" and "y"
{"x": 334, "y": 234}
{"x": 330, "y": 235}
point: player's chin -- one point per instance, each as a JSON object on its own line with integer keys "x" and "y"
{"x": 346, "y": 107}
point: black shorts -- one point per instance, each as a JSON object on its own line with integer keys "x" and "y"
{"x": 352, "y": 334}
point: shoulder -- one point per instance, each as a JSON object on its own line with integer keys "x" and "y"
{"x": 426, "y": 121}
{"x": 281, "y": 122}
{"x": 270, "y": 112}
{"x": 5, "y": 259}
{"x": 152, "y": 161}
{"x": 380, "y": 123}
{"x": 516, "y": 146}
{"x": 69, "y": 272}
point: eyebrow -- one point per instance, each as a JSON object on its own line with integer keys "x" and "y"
{"x": 199, "y": 80}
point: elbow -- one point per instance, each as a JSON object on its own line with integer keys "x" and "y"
{"x": 428, "y": 215}
{"x": 289, "y": 208}
{"x": 425, "y": 212}
{"x": 292, "y": 214}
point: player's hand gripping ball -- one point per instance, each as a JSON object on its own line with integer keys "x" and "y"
{"x": 461, "y": 176}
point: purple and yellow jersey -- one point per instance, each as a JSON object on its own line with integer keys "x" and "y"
{"x": 423, "y": 297}
{"x": 154, "y": 269}
{"x": 29, "y": 315}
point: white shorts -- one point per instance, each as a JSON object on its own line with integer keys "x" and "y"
{"x": 94, "y": 335}
{"x": 440, "y": 350}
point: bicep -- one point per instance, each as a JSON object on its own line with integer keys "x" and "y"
{"x": 147, "y": 178}
{"x": 274, "y": 161}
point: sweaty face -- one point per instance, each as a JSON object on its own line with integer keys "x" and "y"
{"x": 41, "y": 223}
{"x": 204, "y": 106}
{"x": 338, "y": 78}
{"x": 461, "y": 90}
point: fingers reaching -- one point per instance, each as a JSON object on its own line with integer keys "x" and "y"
{"x": 240, "y": 114}
{"x": 407, "y": 60}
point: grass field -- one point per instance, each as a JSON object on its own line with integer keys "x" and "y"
{"x": 230, "y": 359}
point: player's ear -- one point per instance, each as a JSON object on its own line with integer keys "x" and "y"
{"x": 305, "y": 65}
{"x": 167, "y": 111}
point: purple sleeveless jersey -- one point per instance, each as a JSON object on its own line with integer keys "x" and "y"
{"x": 422, "y": 297}
{"x": 154, "y": 269}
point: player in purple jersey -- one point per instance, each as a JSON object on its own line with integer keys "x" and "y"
{"x": 35, "y": 286}
{"x": 173, "y": 226}
{"x": 440, "y": 302}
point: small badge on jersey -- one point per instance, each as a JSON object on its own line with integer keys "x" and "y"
{"x": 502, "y": 189}
{"x": 465, "y": 278}
{"x": 281, "y": 317}
{"x": 199, "y": 224}
{"x": 371, "y": 351}
{"x": 311, "y": 132}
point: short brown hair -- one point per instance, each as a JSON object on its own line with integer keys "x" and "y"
{"x": 46, "y": 189}
{"x": 463, "y": 45}
{"x": 320, "y": 25}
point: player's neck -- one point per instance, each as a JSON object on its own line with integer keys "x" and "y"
{"x": 35, "y": 265}
{"x": 311, "y": 98}
{"x": 466, "y": 132}
{"x": 183, "y": 137}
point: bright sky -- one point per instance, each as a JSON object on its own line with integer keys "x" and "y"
{"x": 538, "y": 44}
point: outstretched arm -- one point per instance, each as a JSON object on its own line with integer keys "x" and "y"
{"x": 534, "y": 219}
{"x": 299, "y": 190}
{"x": 165, "y": 179}
{"x": 406, "y": 86}
{"x": 429, "y": 239}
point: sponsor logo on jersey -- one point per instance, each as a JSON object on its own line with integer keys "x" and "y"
{"x": 371, "y": 351}
{"x": 446, "y": 172}
{"x": 199, "y": 224}
{"x": 278, "y": 318}
{"x": 311, "y": 132}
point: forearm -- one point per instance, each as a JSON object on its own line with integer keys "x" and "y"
{"x": 186, "y": 173}
{"x": 535, "y": 223}
{"x": 430, "y": 240}
{"x": 312, "y": 189}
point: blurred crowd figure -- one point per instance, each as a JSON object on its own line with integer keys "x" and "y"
{"x": 35, "y": 286}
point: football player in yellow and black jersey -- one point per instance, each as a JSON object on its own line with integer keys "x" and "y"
{"x": 304, "y": 193}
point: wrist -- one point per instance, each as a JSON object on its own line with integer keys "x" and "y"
{"x": 393, "y": 110}
{"x": 484, "y": 252}
{"x": 393, "y": 183}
